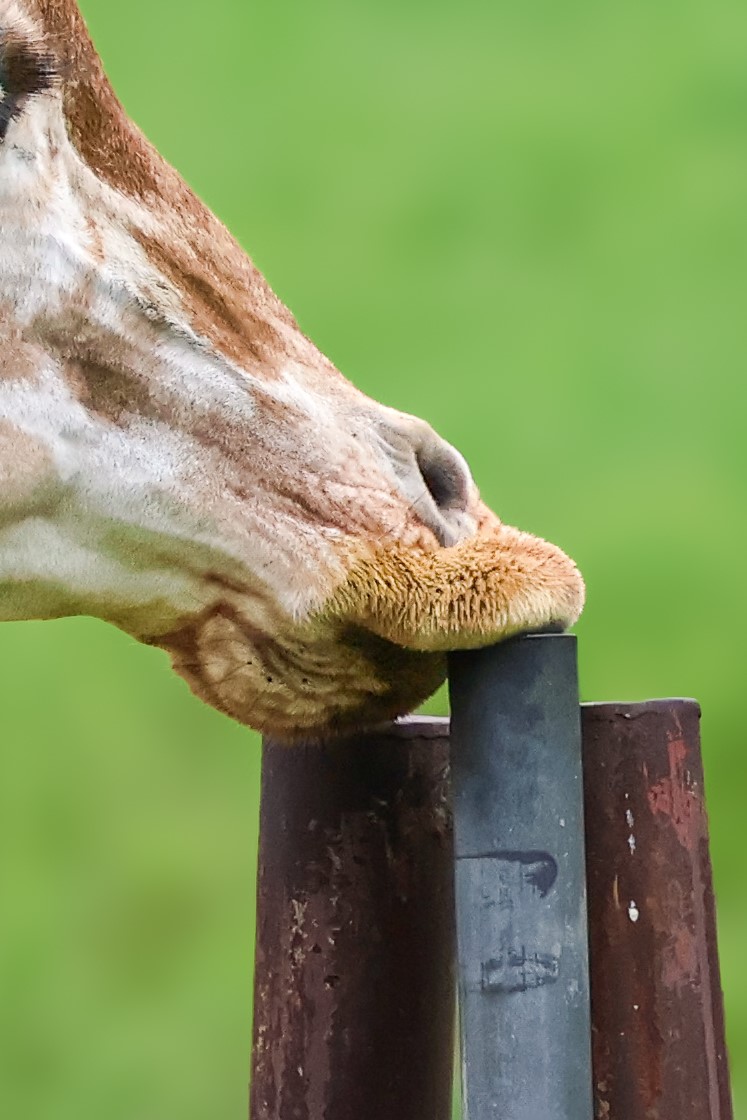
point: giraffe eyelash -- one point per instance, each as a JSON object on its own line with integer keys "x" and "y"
{"x": 27, "y": 68}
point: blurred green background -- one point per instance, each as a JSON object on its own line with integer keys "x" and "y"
{"x": 525, "y": 222}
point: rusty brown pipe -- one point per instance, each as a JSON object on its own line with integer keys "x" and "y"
{"x": 657, "y": 1008}
{"x": 354, "y": 987}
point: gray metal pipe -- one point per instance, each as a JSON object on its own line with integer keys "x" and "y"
{"x": 520, "y": 881}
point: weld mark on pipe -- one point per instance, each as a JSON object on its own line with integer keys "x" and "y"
{"x": 519, "y": 971}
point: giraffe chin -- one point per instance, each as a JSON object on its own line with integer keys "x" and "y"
{"x": 378, "y": 648}
{"x": 302, "y": 682}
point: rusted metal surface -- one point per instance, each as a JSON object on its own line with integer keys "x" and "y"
{"x": 520, "y": 881}
{"x": 354, "y": 979}
{"x": 657, "y": 1009}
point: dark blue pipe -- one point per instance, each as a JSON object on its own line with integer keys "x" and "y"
{"x": 520, "y": 881}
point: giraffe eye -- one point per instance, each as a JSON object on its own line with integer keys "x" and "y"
{"x": 26, "y": 68}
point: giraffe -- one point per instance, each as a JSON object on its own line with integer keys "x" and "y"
{"x": 178, "y": 459}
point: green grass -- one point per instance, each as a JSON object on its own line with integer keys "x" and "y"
{"x": 525, "y": 222}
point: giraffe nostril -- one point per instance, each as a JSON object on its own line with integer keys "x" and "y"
{"x": 432, "y": 476}
{"x": 446, "y": 476}
{"x": 447, "y": 490}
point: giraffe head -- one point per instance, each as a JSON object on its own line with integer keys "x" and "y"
{"x": 177, "y": 458}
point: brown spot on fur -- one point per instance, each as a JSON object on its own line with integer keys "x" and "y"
{"x": 96, "y": 241}
{"x": 221, "y": 297}
{"x": 112, "y": 392}
{"x": 104, "y": 371}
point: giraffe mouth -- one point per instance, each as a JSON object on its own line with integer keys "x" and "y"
{"x": 378, "y": 648}
{"x": 485, "y": 588}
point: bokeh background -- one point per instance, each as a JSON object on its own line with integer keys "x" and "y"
{"x": 526, "y": 222}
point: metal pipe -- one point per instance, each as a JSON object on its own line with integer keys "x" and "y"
{"x": 658, "y": 1019}
{"x": 354, "y": 979}
{"x": 521, "y": 901}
